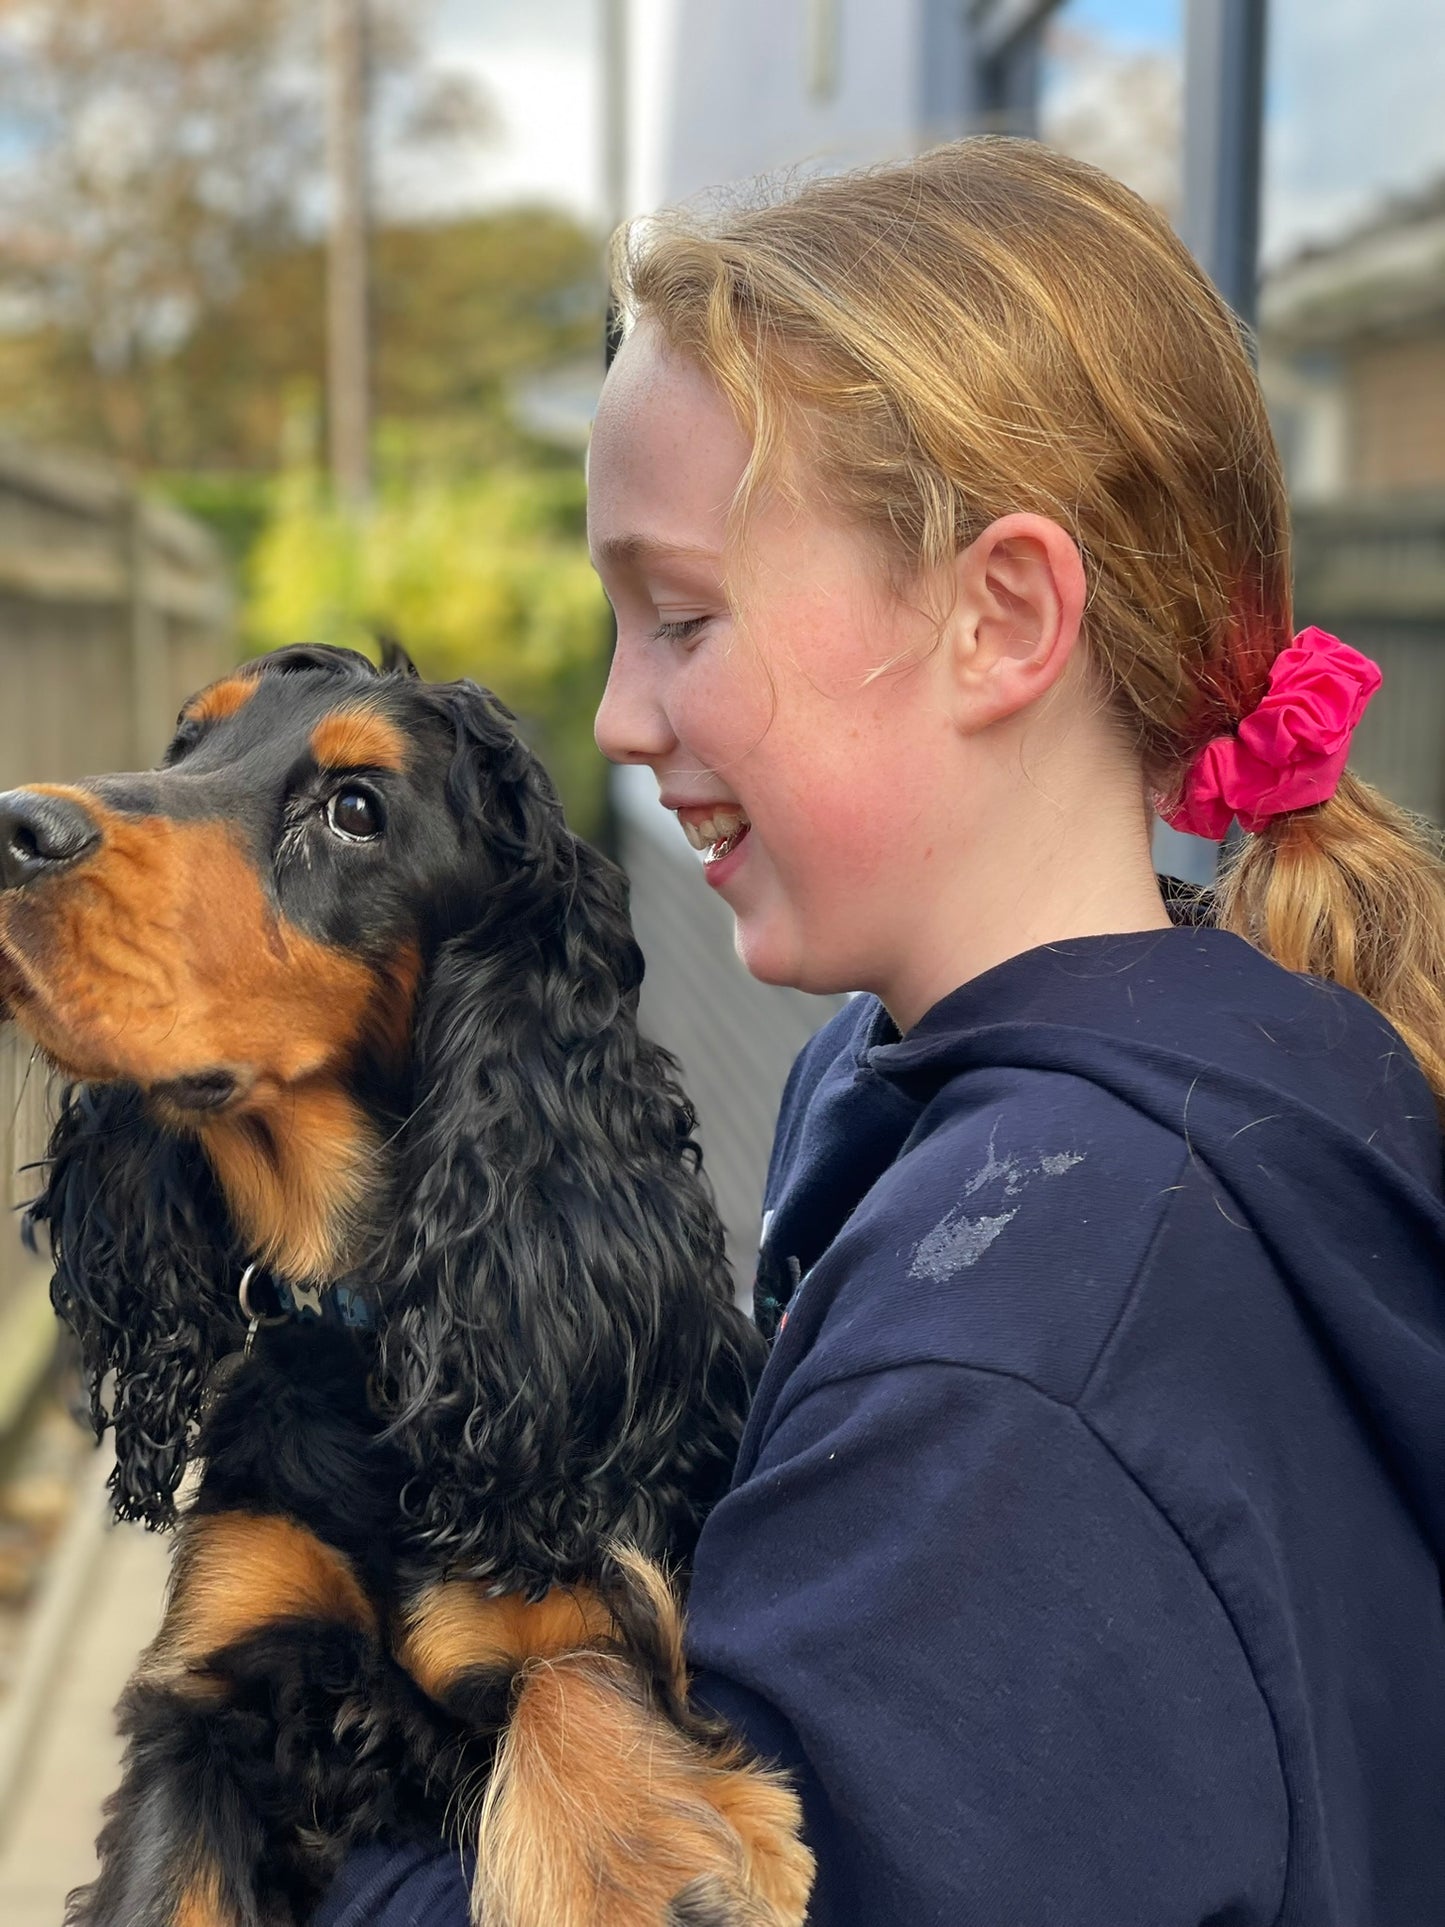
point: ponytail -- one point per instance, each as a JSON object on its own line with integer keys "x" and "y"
{"x": 1352, "y": 890}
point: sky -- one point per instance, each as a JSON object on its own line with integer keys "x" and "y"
{"x": 537, "y": 60}
{"x": 1352, "y": 113}
{"x": 1352, "y": 107}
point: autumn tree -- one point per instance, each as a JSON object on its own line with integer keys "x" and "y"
{"x": 165, "y": 155}
{"x": 461, "y": 309}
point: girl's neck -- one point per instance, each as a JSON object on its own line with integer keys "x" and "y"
{"x": 1055, "y": 872}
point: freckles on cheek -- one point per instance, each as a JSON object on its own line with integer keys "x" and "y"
{"x": 724, "y": 714}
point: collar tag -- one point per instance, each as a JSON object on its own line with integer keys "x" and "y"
{"x": 255, "y": 1319}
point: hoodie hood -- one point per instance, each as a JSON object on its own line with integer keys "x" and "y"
{"x": 1305, "y": 1108}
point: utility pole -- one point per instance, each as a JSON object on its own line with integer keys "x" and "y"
{"x": 348, "y": 345}
{"x": 616, "y": 188}
{"x": 1224, "y": 47}
{"x": 1223, "y": 122}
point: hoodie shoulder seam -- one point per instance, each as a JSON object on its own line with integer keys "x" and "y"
{"x": 1130, "y": 1294}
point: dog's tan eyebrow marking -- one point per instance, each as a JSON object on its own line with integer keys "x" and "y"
{"x": 358, "y": 739}
{"x": 220, "y": 700}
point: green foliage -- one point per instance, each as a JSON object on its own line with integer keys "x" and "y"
{"x": 484, "y": 577}
{"x": 462, "y": 309}
{"x": 235, "y": 506}
{"x": 473, "y": 555}
{"x": 465, "y": 306}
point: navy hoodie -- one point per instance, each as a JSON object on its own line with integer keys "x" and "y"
{"x": 1083, "y": 1556}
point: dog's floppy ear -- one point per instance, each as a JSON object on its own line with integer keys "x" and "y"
{"x": 146, "y": 1271}
{"x": 394, "y": 659}
{"x": 561, "y": 1356}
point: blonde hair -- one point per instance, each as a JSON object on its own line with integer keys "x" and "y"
{"x": 995, "y": 327}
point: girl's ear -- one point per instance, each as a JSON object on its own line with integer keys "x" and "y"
{"x": 558, "y": 1264}
{"x": 1017, "y": 613}
{"x": 146, "y": 1272}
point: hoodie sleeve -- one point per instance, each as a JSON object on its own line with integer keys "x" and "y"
{"x": 1005, "y": 1688}
{"x": 421, "y": 1884}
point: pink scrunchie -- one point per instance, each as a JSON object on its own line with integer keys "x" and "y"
{"x": 1288, "y": 753}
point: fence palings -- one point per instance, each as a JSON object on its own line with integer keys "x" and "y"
{"x": 112, "y": 610}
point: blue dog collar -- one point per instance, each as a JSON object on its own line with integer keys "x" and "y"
{"x": 332, "y": 1304}
{"x": 268, "y": 1300}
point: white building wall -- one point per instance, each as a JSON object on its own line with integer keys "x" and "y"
{"x": 725, "y": 90}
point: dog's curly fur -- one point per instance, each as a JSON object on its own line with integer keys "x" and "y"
{"x": 551, "y": 1387}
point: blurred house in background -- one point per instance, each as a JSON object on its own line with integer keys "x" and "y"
{"x": 1352, "y": 356}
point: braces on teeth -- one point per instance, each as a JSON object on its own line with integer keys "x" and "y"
{"x": 725, "y": 845}
{"x": 715, "y": 834}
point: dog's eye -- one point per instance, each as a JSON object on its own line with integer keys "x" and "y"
{"x": 354, "y": 815}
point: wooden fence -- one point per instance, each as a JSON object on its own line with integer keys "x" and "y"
{"x": 734, "y": 1037}
{"x": 112, "y": 610}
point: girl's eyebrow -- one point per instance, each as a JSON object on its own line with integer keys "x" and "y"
{"x": 633, "y": 551}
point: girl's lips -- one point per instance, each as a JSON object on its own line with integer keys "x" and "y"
{"x": 721, "y": 868}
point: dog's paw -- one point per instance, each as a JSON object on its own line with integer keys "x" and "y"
{"x": 600, "y": 1813}
{"x": 766, "y": 1816}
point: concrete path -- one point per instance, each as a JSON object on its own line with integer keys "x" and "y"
{"x": 73, "y": 1760}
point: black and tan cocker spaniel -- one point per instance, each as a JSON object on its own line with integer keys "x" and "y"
{"x": 368, "y": 1198}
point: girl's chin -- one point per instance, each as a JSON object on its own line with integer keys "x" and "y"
{"x": 771, "y": 955}
{"x": 770, "y": 938}
{"x": 760, "y": 957}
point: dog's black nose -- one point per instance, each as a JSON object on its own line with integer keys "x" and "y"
{"x": 40, "y": 835}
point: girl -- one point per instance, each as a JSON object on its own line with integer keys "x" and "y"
{"x": 1082, "y": 1562}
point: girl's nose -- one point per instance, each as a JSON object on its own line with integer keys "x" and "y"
{"x": 631, "y": 724}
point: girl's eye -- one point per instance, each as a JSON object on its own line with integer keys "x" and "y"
{"x": 354, "y": 815}
{"x": 683, "y": 631}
